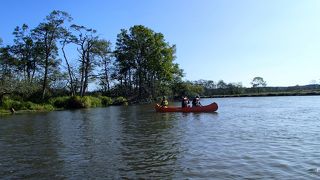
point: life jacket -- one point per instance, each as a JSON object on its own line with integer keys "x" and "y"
{"x": 164, "y": 103}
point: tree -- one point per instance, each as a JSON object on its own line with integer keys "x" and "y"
{"x": 67, "y": 39}
{"x": 145, "y": 61}
{"x": 104, "y": 54}
{"x": 88, "y": 43}
{"x": 235, "y": 88}
{"x": 7, "y": 74}
{"x": 25, "y": 52}
{"x": 47, "y": 34}
{"x": 186, "y": 88}
{"x": 258, "y": 82}
{"x": 222, "y": 85}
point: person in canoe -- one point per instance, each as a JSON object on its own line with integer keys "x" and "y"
{"x": 185, "y": 101}
{"x": 196, "y": 102}
{"x": 164, "y": 102}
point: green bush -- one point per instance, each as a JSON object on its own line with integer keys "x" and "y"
{"x": 3, "y": 111}
{"x": 95, "y": 102}
{"x": 9, "y": 103}
{"x": 120, "y": 101}
{"x": 74, "y": 103}
{"x": 40, "y": 107}
{"x": 48, "y": 107}
{"x": 27, "y": 105}
{"x": 17, "y": 105}
{"x": 86, "y": 102}
{"x": 105, "y": 101}
{"x": 66, "y": 102}
{"x": 60, "y": 102}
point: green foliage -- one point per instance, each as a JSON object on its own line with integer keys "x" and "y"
{"x": 76, "y": 102}
{"x": 120, "y": 101}
{"x": 28, "y": 105}
{"x": 44, "y": 107}
{"x": 95, "y": 102}
{"x": 67, "y": 102}
{"x": 143, "y": 63}
{"x": 90, "y": 101}
{"x": 86, "y": 101}
{"x": 20, "y": 105}
{"x": 4, "y": 112}
{"x": 258, "y": 82}
{"x": 144, "y": 60}
{"x": 46, "y": 34}
{"x": 9, "y": 103}
{"x": 188, "y": 88}
{"x": 106, "y": 101}
{"x": 141, "y": 67}
{"x": 60, "y": 102}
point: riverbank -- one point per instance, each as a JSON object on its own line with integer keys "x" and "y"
{"x": 77, "y": 102}
{"x": 14, "y": 106}
{"x": 4, "y": 112}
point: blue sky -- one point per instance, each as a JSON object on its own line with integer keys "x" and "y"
{"x": 230, "y": 40}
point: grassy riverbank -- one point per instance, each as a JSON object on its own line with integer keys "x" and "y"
{"x": 58, "y": 103}
{"x": 77, "y": 102}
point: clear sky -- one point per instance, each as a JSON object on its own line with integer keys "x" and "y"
{"x": 230, "y": 40}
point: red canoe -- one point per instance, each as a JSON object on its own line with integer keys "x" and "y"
{"x": 209, "y": 108}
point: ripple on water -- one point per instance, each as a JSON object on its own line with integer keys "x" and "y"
{"x": 249, "y": 138}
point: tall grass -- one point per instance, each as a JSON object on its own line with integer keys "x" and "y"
{"x": 120, "y": 101}
{"x": 63, "y": 102}
{"x": 20, "y": 105}
{"x": 76, "y": 102}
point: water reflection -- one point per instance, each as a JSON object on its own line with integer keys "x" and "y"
{"x": 29, "y": 148}
{"x": 149, "y": 146}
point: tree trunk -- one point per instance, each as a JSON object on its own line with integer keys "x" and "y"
{"x": 69, "y": 71}
{"x": 44, "y": 85}
{"x": 82, "y": 73}
{"x": 106, "y": 75}
{"x": 86, "y": 73}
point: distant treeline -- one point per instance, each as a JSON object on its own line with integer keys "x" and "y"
{"x": 208, "y": 88}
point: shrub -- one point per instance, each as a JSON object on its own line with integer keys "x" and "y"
{"x": 40, "y": 107}
{"x": 27, "y": 105}
{"x": 60, "y": 102}
{"x": 120, "y": 101}
{"x": 48, "y": 107}
{"x": 95, "y": 102}
{"x": 17, "y": 105}
{"x": 74, "y": 103}
{"x": 105, "y": 101}
{"x": 9, "y": 103}
{"x": 86, "y": 102}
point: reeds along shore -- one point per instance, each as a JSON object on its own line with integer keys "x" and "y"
{"x": 13, "y": 106}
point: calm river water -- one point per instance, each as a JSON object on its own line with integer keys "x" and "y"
{"x": 254, "y": 138}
